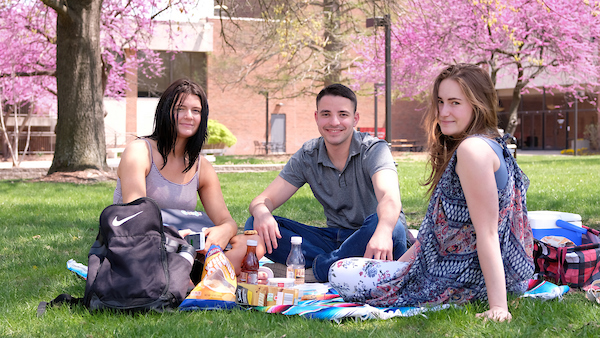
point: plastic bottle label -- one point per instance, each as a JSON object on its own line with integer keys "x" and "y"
{"x": 296, "y": 273}
{"x": 299, "y": 276}
{"x": 243, "y": 277}
{"x": 252, "y": 277}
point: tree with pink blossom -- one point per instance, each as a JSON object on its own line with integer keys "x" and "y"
{"x": 523, "y": 42}
{"x": 64, "y": 57}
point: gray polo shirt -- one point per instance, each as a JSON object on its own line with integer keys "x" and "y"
{"x": 348, "y": 196}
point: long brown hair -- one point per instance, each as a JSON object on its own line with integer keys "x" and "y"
{"x": 479, "y": 90}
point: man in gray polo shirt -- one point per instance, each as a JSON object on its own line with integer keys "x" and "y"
{"x": 353, "y": 176}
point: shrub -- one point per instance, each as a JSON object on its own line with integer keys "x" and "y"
{"x": 219, "y": 135}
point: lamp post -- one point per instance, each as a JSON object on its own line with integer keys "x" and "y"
{"x": 386, "y": 23}
{"x": 377, "y": 85}
{"x": 575, "y": 136}
{"x": 266, "y": 94}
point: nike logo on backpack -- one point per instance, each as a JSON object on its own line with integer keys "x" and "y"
{"x": 117, "y": 223}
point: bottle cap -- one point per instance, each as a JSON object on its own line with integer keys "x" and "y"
{"x": 251, "y": 242}
{"x": 296, "y": 240}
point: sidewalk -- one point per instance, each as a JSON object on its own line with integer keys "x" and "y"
{"x": 42, "y": 166}
{"x": 540, "y": 152}
{"x": 114, "y": 162}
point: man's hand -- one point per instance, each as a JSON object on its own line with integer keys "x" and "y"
{"x": 380, "y": 247}
{"x": 268, "y": 229}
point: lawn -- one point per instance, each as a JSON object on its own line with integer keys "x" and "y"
{"x": 42, "y": 225}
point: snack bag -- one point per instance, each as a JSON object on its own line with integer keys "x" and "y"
{"x": 217, "y": 286}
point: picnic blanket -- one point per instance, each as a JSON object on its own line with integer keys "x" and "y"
{"x": 330, "y": 306}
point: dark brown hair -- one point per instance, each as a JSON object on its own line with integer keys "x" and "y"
{"x": 165, "y": 121}
{"x": 337, "y": 89}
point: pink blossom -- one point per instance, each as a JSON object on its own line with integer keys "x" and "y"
{"x": 555, "y": 39}
{"x": 28, "y": 48}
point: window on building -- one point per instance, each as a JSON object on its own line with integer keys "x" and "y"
{"x": 191, "y": 65}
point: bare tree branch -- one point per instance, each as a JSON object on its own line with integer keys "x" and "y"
{"x": 60, "y": 6}
{"x": 29, "y": 74}
{"x": 289, "y": 46}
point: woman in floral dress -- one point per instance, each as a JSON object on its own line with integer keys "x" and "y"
{"x": 475, "y": 241}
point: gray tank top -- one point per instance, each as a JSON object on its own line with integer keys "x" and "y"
{"x": 502, "y": 173}
{"x": 167, "y": 194}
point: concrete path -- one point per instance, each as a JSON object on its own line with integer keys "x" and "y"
{"x": 539, "y": 152}
{"x": 43, "y": 166}
{"x": 114, "y": 162}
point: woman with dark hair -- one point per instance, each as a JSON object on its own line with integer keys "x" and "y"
{"x": 475, "y": 241}
{"x": 167, "y": 167}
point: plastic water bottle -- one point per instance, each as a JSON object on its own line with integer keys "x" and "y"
{"x": 188, "y": 252}
{"x": 295, "y": 261}
{"x": 78, "y": 268}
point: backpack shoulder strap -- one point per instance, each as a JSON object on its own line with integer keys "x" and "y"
{"x": 63, "y": 298}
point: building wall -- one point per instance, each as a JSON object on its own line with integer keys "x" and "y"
{"x": 243, "y": 111}
{"x": 407, "y": 116}
{"x": 114, "y": 122}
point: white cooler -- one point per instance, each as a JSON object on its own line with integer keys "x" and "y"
{"x": 544, "y": 223}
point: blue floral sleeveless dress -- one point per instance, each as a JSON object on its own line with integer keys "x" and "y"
{"x": 446, "y": 266}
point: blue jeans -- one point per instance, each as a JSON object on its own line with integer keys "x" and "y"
{"x": 324, "y": 246}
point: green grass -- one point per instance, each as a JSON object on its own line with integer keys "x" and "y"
{"x": 42, "y": 225}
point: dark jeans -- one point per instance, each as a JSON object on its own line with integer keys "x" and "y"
{"x": 324, "y": 246}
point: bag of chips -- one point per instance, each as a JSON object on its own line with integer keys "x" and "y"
{"x": 217, "y": 286}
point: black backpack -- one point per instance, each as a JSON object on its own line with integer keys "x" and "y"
{"x": 136, "y": 263}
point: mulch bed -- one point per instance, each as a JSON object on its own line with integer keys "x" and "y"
{"x": 39, "y": 175}
{"x": 79, "y": 177}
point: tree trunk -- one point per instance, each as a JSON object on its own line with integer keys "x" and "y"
{"x": 333, "y": 48}
{"x": 80, "y": 140}
{"x": 598, "y": 127}
{"x": 513, "y": 117}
